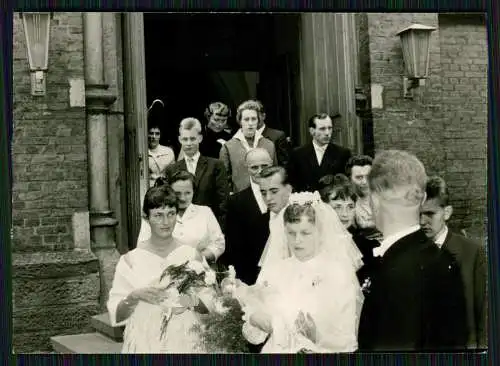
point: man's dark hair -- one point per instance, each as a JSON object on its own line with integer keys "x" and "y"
{"x": 436, "y": 188}
{"x": 272, "y": 170}
{"x": 312, "y": 120}
{"x": 357, "y": 160}
{"x": 158, "y": 197}
{"x": 337, "y": 184}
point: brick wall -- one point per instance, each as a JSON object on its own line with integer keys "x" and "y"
{"x": 49, "y": 142}
{"x": 445, "y": 123}
{"x": 464, "y": 60}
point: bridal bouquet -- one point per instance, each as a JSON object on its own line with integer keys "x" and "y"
{"x": 186, "y": 283}
{"x": 220, "y": 330}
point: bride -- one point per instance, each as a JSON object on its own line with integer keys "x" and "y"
{"x": 138, "y": 298}
{"x": 311, "y": 300}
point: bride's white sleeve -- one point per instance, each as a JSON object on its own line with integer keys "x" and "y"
{"x": 339, "y": 317}
{"x": 121, "y": 288}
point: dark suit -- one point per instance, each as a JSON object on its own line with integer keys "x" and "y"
{"x": 211, "y": 185}
{"x": 280, "y": 142}
{"x": 472, "y": 260}
{"x": 210, "y": 146}
{"x": 247, "y": 231}
{"x": 365, "y": 246}
{"x": 303, "y": 168}
{"x": 415, "y": 301}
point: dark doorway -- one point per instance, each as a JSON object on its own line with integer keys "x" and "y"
{"x": 195, "y": 59}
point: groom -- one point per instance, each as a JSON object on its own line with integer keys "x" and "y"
{"x": 415, "y": 301}
{"x": 276, "y": 190}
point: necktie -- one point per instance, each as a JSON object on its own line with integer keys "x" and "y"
{"x": 190, "y": 165}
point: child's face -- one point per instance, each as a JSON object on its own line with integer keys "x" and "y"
{"x": 345, "y": 210}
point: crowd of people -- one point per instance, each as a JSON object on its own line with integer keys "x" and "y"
{"x": 393, "y": 277}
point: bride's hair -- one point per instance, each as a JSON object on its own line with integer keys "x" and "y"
{"x": 294, "y": 213}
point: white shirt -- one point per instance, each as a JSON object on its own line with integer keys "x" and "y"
{"x": 197, "y": 228}
{"x": 320, "y": 151}
{"x": 441, "y": 237}
{"x": 363, "y": 212}
{"x": 276, "y": 246}
{"x": 391, "y": 239}
{"x": 260, "y": 130}
{"x": 258, "y": 196}
{"x": 192, "y": 162}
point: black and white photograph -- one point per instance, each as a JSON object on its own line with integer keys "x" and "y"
{"x": 249, "y": 183}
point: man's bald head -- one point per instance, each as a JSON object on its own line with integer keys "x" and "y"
{"x": 257, "y": 159}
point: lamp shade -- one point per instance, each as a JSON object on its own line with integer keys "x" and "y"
{"x": 37, "y": 32}
{"x": 415, "y": 41}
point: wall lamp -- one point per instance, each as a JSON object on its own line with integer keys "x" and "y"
{"x": 415, "y": 41}
{"x": 37, "y": 32}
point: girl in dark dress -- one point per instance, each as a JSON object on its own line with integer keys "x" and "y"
{"x": 338, "y": 192}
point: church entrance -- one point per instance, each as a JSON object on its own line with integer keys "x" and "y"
{"x": 195, "y": 59}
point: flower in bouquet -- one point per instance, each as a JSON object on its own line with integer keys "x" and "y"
{"x": 210, "y": 278}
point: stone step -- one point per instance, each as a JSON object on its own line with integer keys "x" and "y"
{"x": 102, "y": 324}
{"x": 85, "y": 343}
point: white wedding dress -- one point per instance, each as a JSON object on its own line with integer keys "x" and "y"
{"x": 140, "y": 269}
{"x": 325, "y": 286}
{"x": 324, "y": 289}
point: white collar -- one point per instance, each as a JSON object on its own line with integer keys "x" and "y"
{"x": 239, "y": 135}
{"x": 190, "y": 210}
{"x": 195, "y": 157}
{"x": 441, "y": 237}
{"x": 320, "y": 148}
{"x": 393, "y": 238}
{"x": 261, "y": 130}
{"x": 159, "y": 150}
{"x": 258, "y": 196}
{"x": 274, "y": 216}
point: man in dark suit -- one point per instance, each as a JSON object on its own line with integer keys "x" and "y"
{"x": 210, "y": 174}
{"x": 415, "y": 301}
{"x": 470, "y": 256}
{"x": 278, "y": 138}
{"x": 310, "y": 162}
{"x": 247, "y": 222}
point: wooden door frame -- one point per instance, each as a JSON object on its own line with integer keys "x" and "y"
{"x": 135, "y": 114}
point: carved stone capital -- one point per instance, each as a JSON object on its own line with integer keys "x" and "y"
{"x": 98, "y": 98}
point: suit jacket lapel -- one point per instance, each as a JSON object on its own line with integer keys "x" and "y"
{"x": 312, "y": 155}
{"x": 200, "y": 169}
{"x": 329, "y": 156}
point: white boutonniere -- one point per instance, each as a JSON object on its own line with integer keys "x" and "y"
{"x": 365, "y": 287}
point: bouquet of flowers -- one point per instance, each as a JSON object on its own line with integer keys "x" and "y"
{"x": 220, "y": 330}
{"x": 185, "y": 282}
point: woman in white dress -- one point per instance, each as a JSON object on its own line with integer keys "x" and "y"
{"x": 196, "y": 225}
{"x": 311, "y": 300}
{"x": 137, "y": 297}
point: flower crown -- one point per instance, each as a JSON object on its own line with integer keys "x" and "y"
{"x": 304, "y": 198}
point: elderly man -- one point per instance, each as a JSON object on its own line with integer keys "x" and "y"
{"x": 210, "y": 177}
{"x": 471, "y": 257}
{"x": 415, "y": 301}
{"x": 247, "y": 221}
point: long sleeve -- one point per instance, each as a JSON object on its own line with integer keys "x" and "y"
{"x": 222, "y": 193}
{"x": 445, "y": 306}
{"x": 226, "y": 160}
{"x": 480, "y": 297}
{"x": 120, "y": 289}
{"x": 216, "y": 242}
{"x": 339, "y": 318}
{"x": 282, "y": 150}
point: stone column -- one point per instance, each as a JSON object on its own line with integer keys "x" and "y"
{"x": 98, "y": 100}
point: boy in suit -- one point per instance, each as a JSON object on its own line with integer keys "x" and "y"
{"x": 471, "y": 257}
